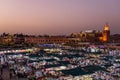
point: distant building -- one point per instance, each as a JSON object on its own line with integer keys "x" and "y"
{"x": 92, "y": 35}
{"x": 106, "y": 34}
{"x": 7, "y": 39}
{"x": 19, "y": 38}
{"x": 75, "y": 38}
{"x": 115, "y": 38}
{"x": 46, "y": 40}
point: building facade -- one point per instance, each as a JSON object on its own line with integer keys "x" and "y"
{"x": 46, "y": 40}
{"x": 83, "y": 36}
{"x": 93, "y": 35}
{"x": 106, "y": 34}
{"x": 7, "y": 39}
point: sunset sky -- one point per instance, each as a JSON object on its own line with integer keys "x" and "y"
{"x": 58, "y": 16}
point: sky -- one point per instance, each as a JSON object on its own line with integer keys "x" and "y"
{"x": 58, "y": 17}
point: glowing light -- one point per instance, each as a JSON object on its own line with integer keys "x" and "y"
{"x": 104, "y": 39}
{"x": 106, "y": 27}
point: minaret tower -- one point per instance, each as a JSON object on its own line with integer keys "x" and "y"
{"x": 106, "y": 33}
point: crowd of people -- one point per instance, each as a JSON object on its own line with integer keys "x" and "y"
{"x": 53, "y": 66}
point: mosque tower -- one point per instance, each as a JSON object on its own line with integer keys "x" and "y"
{"x": 106, "y": 33}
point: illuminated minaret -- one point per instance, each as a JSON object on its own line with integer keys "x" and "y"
{"x": 106, "y": 33}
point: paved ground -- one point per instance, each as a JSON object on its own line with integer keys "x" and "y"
{"x": 5, "y": 74}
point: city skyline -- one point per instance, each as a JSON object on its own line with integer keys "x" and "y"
{"x": 58, "y": 17}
